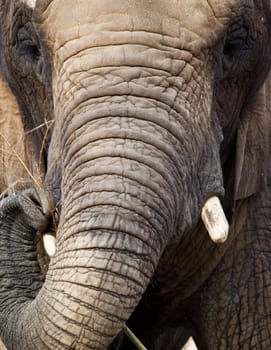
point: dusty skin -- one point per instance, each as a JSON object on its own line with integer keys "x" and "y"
{"x": 156, "y": 107}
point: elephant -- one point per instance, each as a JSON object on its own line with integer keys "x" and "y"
{"x": 155, "y": 202}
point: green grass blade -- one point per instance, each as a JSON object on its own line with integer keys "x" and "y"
{"x": 133, "y": 338}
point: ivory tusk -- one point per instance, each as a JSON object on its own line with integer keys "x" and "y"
{"x": 49, "y": 242}
{"x": 215, "y": 221}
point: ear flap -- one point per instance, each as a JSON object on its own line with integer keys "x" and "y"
{"x": 13, "y": 154}
{"x": 253, "y": 145}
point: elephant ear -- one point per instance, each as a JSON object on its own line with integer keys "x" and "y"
{"x": 14, "y": 159}
{"x": 253, "y": 170}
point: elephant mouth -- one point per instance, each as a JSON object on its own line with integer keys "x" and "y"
{"x": 212, "y": 215}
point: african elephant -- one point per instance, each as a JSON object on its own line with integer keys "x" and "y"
{"x": 160, "y": 114}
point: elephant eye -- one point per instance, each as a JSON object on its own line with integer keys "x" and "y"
{"x": 233, "y": 47}
{"x": 236, "y": 42}
{"x": 26, "y": 46}
{"x": 238, "y": 51}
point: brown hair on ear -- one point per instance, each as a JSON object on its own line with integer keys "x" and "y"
{"x": 252, "y": 172}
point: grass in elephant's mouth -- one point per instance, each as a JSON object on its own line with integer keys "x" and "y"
{"x": 35, "y": 180}
{"x": 21, "y": 181}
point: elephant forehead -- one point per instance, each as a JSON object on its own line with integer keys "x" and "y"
{"x": 202, "y": 19}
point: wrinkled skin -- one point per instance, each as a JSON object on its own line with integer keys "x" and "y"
{"x": 156, "y": 106}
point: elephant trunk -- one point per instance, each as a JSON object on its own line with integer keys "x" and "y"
{"x": 117, "y": 201}
{"x": 103, "y": 263}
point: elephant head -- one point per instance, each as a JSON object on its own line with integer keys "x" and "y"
{"x": 145, "y": 100}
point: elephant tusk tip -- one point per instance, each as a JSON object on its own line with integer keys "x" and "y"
{"x": 215, "y": 221}
{"x": 49, "y": 242}
{"x": 219, "y": 235}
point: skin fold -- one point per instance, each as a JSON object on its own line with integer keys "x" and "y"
{"x": 136, "y": 113}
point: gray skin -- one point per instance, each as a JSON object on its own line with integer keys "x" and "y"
{"x": 156, "y": 106}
